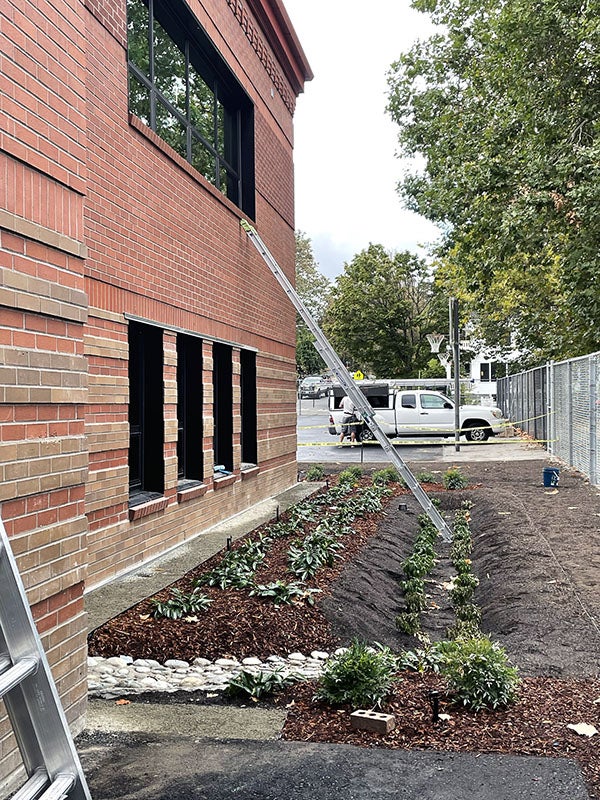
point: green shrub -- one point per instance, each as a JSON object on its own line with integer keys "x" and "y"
{"x": 258, "y": 684}
{"x": 315, "y": 472}
{"x": 464, "y": 629}
{"x": 408, "y": 622}
{"x": 180, "y": 603}
{"x": 479, "y": 673}
{"x": 422, "y": 659}
{"x": 350, "y": 476}
{"x": 386, "y": 475}
{"x": 454, "y": 479}
{"x": 426, "y": 477}
{"x": 361, "y": 676}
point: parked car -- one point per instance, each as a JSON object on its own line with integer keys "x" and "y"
{"x": 313, "y": 387}
{"x": 418, "y": 412}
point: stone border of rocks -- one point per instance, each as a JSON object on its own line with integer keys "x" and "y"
{"x": 109, "y": 678}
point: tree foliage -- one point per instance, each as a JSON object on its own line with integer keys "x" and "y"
{"x": 384, "y": 306}
{"x": 314, "y": 290}
{"x": 503, "y": 103}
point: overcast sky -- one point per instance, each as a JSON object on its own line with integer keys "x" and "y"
{"x": 345, "y": 143}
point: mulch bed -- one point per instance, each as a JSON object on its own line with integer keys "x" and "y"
{"x": 537, "y": 555}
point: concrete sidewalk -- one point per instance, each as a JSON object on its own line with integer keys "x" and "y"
{"x": 169, "y": 750}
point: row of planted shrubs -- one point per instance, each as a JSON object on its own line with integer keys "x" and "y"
{"x": 332, "y": 511}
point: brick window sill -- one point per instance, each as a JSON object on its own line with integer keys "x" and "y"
{"x": 221, "y": 483}
{"x": 191, "y": 493}
{"x": 146, "y": 509}
{"x": 250, "y": 472}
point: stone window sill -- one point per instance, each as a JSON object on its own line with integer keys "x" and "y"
{"x": 191, "y": 492}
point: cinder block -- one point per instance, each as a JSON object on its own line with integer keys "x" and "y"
{"x": 372, "y": 721}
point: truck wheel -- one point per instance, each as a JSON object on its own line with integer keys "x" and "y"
{"x": 478, "y": 433}
{"x": 365, "y": 434}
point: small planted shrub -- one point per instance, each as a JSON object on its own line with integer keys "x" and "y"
{"x": 409, "y": 622}
{"x": 350, "y": 476}
{"x": 315, "y": 472}
{"x": 422, "y": 659}
{"x": 307, "y": 556}
{"x": 384, "y": 476}
{"x": 425, "y": 477}
{"x": 361, "y": 676}
{"x": 463, "y": 589}
{"x": 282, "y": 593}
{"x": 479, "y": 673}
{"x": 454, "y": 479}
{"x": 180, "y": 604}
{"x": 258, "y": 684}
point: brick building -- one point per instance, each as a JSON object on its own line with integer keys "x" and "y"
{"x": 143, "y": 342}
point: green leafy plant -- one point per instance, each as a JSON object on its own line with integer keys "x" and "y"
{"x": 315, "y": 472}
{"x": 409, "y": 622}
{"x": 422, "y": 659}
{"x": 283, "y": 593}
{"x": 463, "y": 588}
{"x": 425, "y": 477}
{"x": 454, "y": 479}
{"x": 259, "y": 684}
{"x": 180, "y": 604}
{"x": 360, "y": 676}
{"x": 386, "y": 475}
{"x": 479, "y": 673}
{"x": 316, "y": 550}
{"x": 350, "y": 476}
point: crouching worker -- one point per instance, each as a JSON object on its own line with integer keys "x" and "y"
{"x": 349, "y": 420}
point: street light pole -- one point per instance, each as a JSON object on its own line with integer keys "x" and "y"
{"x": 455, "y": 345}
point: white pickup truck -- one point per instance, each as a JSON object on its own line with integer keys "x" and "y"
{"x": 417, "y": 412}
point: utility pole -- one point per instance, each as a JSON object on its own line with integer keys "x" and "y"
{"x": 455, "y": 345}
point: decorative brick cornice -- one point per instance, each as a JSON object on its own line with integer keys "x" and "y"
{"x": 262, "y": 51}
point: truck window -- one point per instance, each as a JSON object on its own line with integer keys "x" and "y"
{"x": 409, "y": 401}
{"x": 433, "y": 401}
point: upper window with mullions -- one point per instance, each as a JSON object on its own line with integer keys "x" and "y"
{"x": 180, "y": 87}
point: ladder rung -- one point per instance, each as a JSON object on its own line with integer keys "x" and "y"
{"x": 34, "y": 786}
{"x": 14, "y": 675}
{"x": 59, "y": 788}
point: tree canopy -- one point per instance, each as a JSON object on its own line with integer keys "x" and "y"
{"x": 503, "y": 103}
{"x": 382, "y": 310}
{"x": 314, "y": 290}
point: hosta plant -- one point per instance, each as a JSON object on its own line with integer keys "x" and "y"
{"x": 181, "y": 604}
{"x": 361, "y": 676}
{"x": 258, "y": 684}
{"x": 282, "y": 593}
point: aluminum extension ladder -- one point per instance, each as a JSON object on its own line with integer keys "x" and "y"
{"x": 331, "y": 358}
{"x": 30, "y": 696}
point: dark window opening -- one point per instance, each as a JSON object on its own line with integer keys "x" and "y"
{"x": 488, "y": 371}
{"x": 146, "y": 420}
{"x": 223, "y": 406}
{"x": 181, "y": 88}
{"x": 248, "y": 406}
{"x": 190, "y": 463}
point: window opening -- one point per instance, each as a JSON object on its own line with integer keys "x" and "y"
{"x": 248, "y": 406}
{"x": 146, "y": 419}
{"x": 190, "y": 462}
{"x": 181, "y": 88}
{"x": 223, "y": 406}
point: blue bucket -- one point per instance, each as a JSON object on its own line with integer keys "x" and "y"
{"x": 550, "y": 476}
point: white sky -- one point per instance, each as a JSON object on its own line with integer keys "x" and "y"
{"x": 345, "y": 142}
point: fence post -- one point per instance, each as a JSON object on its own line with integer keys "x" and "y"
{"x": 570, "y": 409}
{"x": 592, "y": 360}
{"x": 550, "y": 406}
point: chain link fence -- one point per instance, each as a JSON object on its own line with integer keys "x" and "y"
{"x": 559, "y": 405}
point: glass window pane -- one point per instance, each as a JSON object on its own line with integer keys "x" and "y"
{"x": 228, "y": 184}
{"x": 171, "y": 129}
{"x": 139, "y": 99}
{"x": 169, "y": 68}
{"x": 202, "y": 105}
{"x": 203, "y": 160}
{"x": 138, "y": 50}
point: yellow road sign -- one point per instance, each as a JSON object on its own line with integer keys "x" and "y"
{"x": 358, "y": 376}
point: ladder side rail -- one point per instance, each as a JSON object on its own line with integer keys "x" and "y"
{"x": 333, "y": 361}
{"x": 34, "y": 706}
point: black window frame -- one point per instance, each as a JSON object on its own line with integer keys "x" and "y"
{"x": 190, "y": 429}
{"x": 146, "y": 412}
{"x": 234, "y": 161}
{"x": 223, "y": 405}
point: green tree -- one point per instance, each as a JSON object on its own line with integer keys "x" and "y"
{"x": 503, "y": 103}
{"x": 384, "y": 306}
{"x": 314, "y": 290}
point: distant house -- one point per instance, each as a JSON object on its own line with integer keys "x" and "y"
{"x": 143, "y": 342}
